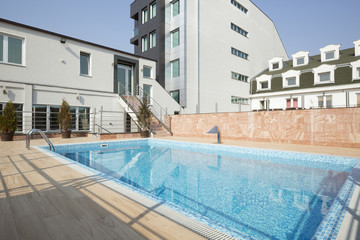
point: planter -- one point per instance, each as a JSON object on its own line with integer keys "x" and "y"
{"x": 66, "y": 134}
{"x": 7, "y": 136}
{"x": 145, "y": 134}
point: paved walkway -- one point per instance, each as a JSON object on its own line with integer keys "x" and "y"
{"x": 40, "y": 198}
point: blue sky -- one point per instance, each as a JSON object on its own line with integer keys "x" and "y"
{"x": 303, "y": 25}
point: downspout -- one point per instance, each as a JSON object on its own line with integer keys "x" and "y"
{"x": 198, "y": 52}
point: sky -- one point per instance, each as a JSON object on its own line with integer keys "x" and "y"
{"x": 303, "y": 25}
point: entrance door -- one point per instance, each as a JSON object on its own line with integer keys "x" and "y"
{"x": 358, "y": 99}
{"x": 124, "y": 79}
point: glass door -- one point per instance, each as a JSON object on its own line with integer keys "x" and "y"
{"x": 124, "y": 79}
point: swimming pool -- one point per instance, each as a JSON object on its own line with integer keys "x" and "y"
{"x": 263, "y": 194}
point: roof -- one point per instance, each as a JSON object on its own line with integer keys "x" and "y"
{"x": 71, "y": 38}
{"x": 346, "y": 56}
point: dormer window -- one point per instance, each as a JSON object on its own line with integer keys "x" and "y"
{"x": 357, "y": 47}
{"x": 324, "y": 74}
{"x": 300, "y": 61}
{"x": 276, "y": 64}
{"x": 263, "y": 82}
{"x": 355, "y": 70}
{"x": 330, "y": 53}
{"x": 291, "y": 78}
{"x": 300, "y": 58}
{"x": 264, "y": 85}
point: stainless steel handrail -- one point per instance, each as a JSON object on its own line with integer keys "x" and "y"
{"x": 28, "y": 137}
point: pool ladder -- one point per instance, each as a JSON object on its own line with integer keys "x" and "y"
{"x": 28, "y": 137}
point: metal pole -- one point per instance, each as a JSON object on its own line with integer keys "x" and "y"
{"x": 101, "y": 114}
{"x": 94, "y": 119}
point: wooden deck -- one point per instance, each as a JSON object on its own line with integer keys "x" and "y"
{"x": 41, "y": 198}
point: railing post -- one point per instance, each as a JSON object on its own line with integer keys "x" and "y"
{"x": 94, "y": 119}
{"x": 101, "y": 114}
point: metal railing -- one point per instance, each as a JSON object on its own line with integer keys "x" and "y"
{"x": 95, "y": 122}
{"x": 158, "y": 112}
{"x": 28, "y": 137}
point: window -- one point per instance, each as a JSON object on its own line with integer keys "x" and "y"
{"x": 175, "y": 68}
{"x": 328, "y": 101}
{"x": 152, "y": 39}
{"x": 239, "y": 53}
{"x": 175, "y": 95}
{"x": 84, "y": 63}
{"x": 264, "y": 85}
{"x": 175, "y": 38}
{"x": 291, "y": 81}
{"x": 54, "y": 113}
{"x": 1, "y": 48}
{"x": 239, "y": 100}
{"x": 291, "y": 103}
{"x": 320, "y": 101}
{"x": 147, "y": 72}
{"x": 358, "y": 72}
{"x": 144, "y": 44}
{"x": 239, "y": 30}
{"x": 300, "y": 61}
{"x": 264, "y": 104}
{"x": 84, "y": 118}
{"x": 324, "y": 77}
{"x": 330, "y": 55}
{"x": 240, "y": 77}
{"x": 39, "y": 117}
{"x": 275, "y": 66}
{"x": 175, "y": 7}
{"x": 239, "y": 6}
{"x": 152, "y": 10}
{"x": 144, "y": 14}
{"x": 11, "y": 50}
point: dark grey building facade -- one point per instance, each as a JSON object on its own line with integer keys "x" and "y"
{"x": 149, "y": 33}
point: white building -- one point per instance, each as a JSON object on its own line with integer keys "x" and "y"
{"x": 39, "y": 68}
{"x": 206, "y": 50}
{"x": 330, "y": 79}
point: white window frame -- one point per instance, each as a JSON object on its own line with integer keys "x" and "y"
{"x": 143, "y": 18}
{"x": 6, "y": 49}
{"x": 299, "y": 55}
{"x": 355, "y": 70}
{"x": 151, "y": 71}
{"x": 172, "y": 37}
{"x": 89, "y": 64}
{"x": 152, "y": 45}
{"x": 276, "y": 60}
{"x": 290, "y": 74}
{"x": 171, "y": 66}
{"x": 152, "y": 10}
{"x": 262, "y": 79}
{"x": 144, "y": 43}
{"x": 172, "y": 8}
{"x": 330, "y": 48}
{"x": 324, "y": 69}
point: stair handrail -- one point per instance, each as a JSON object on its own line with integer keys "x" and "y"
{"x": 158, "y": 112}
{"x": 42, "y": 134}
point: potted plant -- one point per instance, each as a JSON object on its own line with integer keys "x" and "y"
{"x": 144, "y": 118}
{"x": 8, "y": 123}
{"x": 64, "y": 119}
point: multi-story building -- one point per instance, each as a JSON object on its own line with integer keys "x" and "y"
{"x": 39, "y": 68}
{"x": 330, "y": 79}
{"x": 206, "y": 51}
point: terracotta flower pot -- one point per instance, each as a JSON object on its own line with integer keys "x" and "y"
{"x": 7, "y": 136}
{"x": 145, "y": 134}
{"x": 66, "y": 134}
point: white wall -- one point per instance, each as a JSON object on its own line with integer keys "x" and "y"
{"x": 216, "y": 60}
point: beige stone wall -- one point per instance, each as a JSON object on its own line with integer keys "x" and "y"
{"x": 325, "y": 127}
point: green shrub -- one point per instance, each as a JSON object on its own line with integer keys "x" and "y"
{"x": 8, "y": 122}
{"x": 64, "y": 118}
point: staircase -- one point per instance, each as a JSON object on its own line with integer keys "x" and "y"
{"x": 160, "y": 124}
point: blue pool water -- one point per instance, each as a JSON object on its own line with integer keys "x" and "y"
{"x": 264, "y": 194}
